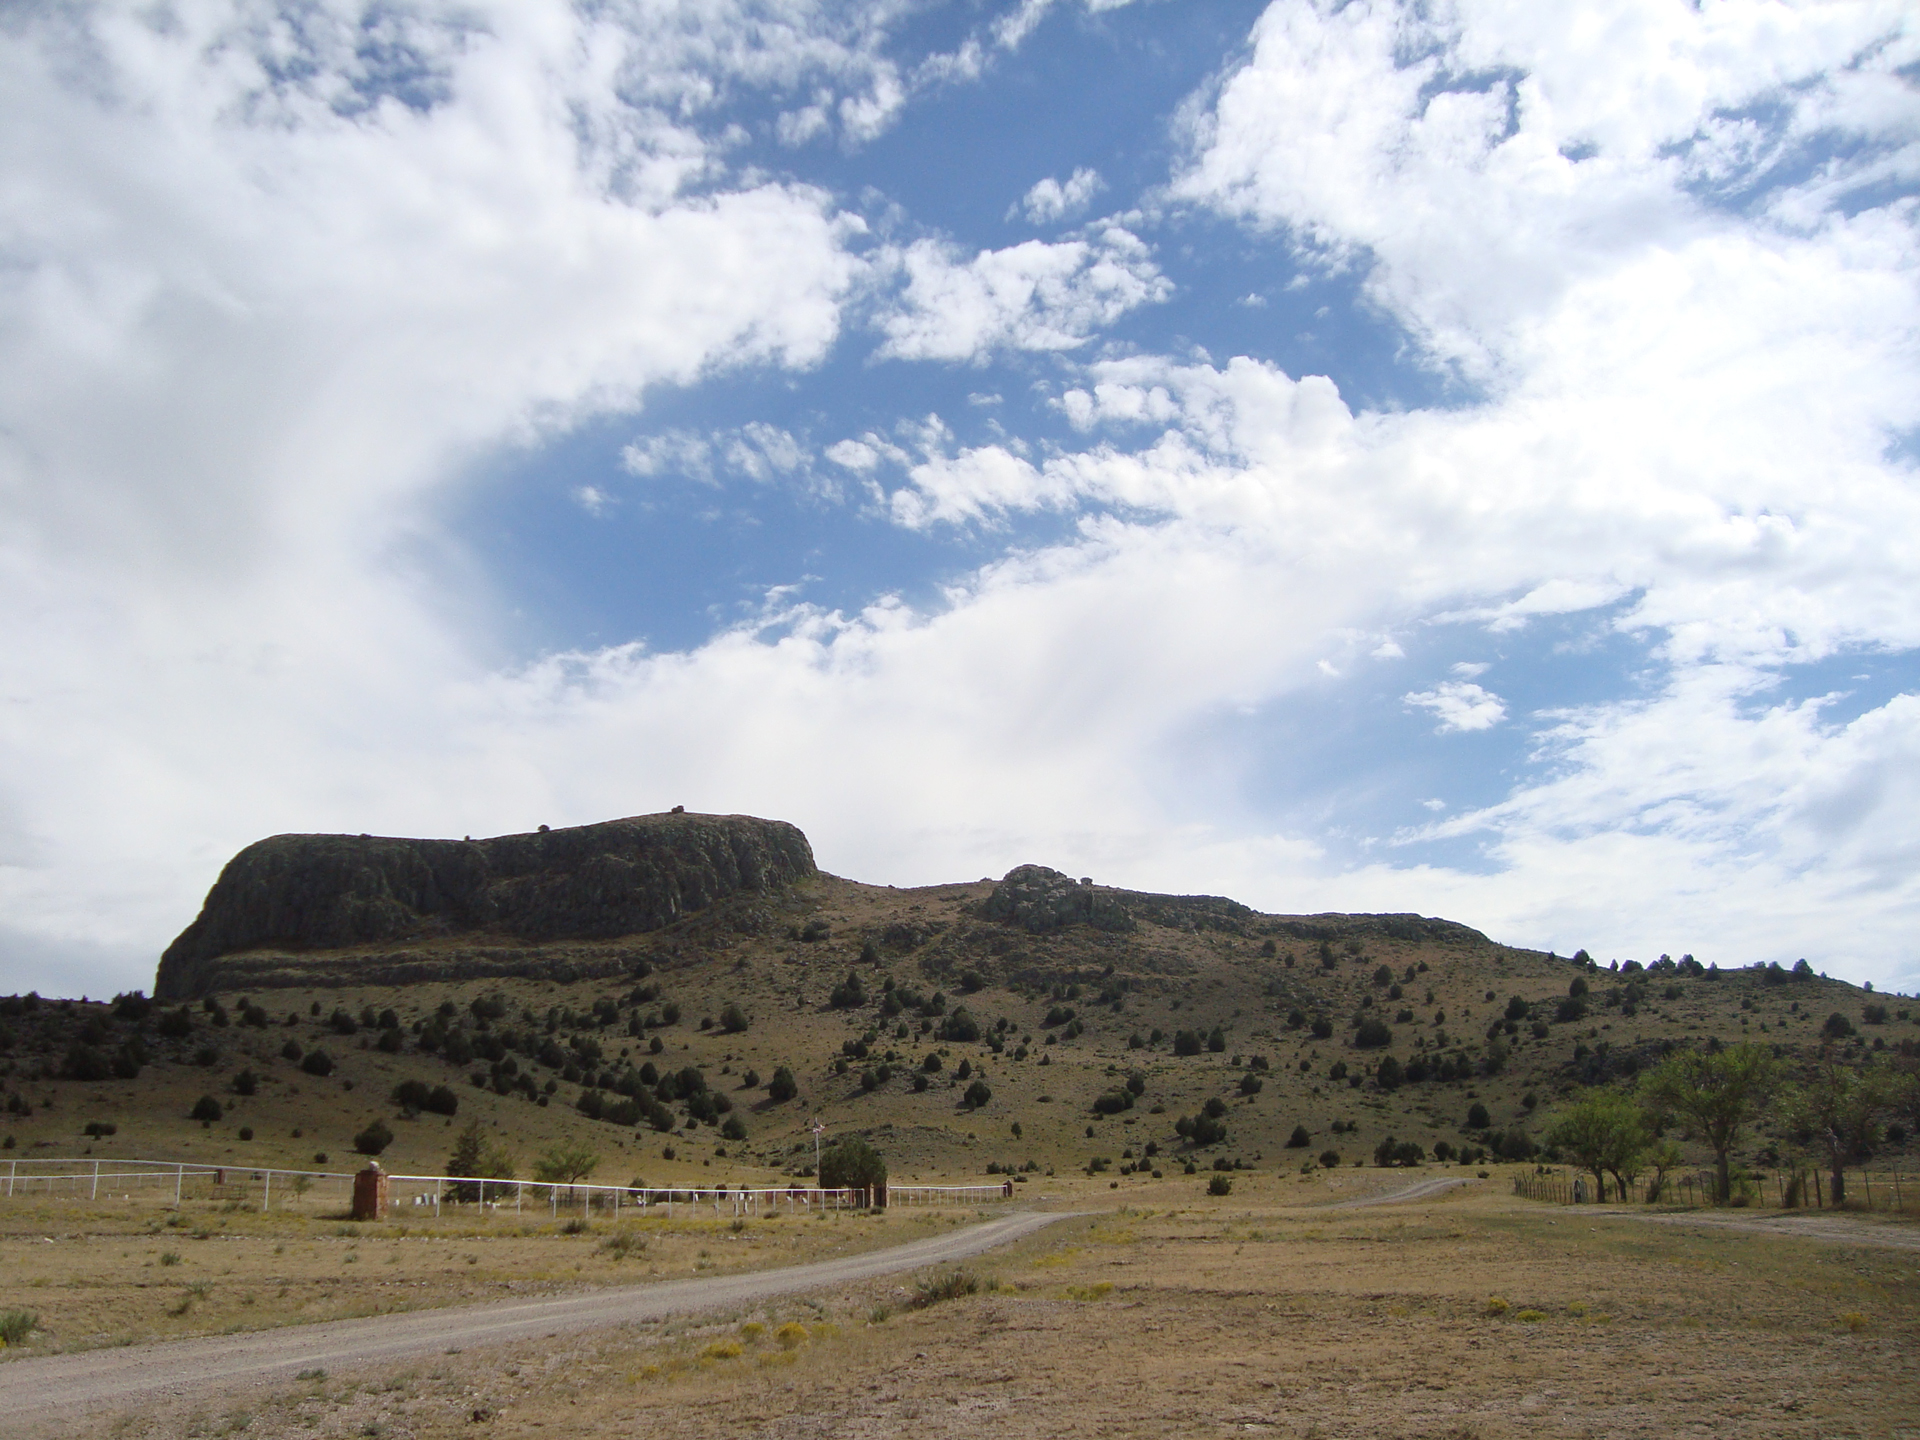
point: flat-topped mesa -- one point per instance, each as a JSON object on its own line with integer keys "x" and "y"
{"x": 1040, "y": 900}
{"x": 585, "y": 882}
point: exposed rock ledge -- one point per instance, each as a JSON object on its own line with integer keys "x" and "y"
{"x": 295, "y": 893}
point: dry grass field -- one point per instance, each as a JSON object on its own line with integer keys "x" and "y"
{"x": 103, "y": 1275}
{"x": 1274, "y": 1310}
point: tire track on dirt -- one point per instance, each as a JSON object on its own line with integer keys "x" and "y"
{"x": 45, "y": 1387}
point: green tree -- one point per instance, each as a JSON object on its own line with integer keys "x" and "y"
{"x": 566, "y": 1164}
{"x": 477, "y": 1154}
{"x": 1717, "y": 1093}
{"x": 1604, "y": 1133}
{"x": 1662, "y": 1155}
{"x": 854, "y": 1164}
{"x": 1840, "y": 1109}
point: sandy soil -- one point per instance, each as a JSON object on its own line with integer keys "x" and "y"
{"x": 1468, "y": 1315}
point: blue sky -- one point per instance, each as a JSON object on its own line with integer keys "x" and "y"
{"x": 1346, "y": 456}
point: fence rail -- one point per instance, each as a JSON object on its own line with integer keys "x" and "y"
{"x": 174, "y": 1182}
{"x": 1804, "y": 1188}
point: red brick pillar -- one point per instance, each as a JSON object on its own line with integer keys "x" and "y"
{"x": 370, "y": 1193}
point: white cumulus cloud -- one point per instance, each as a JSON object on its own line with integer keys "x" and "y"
{"x": 1460, "y": 705}
{"x": 1051, "y": 200}
{"x": 1032, "y": 296}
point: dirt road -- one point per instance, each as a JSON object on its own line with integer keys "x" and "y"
{"x": 41, "y": 1389}
{"x": 1424, "y": 1190}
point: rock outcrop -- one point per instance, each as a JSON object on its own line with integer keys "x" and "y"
{"x": 1038, "y": 900}
{"x": 295, "y": 893}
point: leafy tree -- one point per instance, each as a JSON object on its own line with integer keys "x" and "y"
{"x": 1605, "y": 1133}
{"x": 1662, "y": 1156}
{"x": 1217, "y": 1040}
{"x": 849, "y": 994}
{"x": 566, "y": 1164}
{"x": 206, "y": 1109}
{"x": 1373, "y": 1033}
{"x": 1188, "y": 1042}
{"x": 1299, "y": 1140}
{"x": 783, "y": 1086}
{"x": 1717, "y": 1094}
{"x": 1840, "y": 1109}
{"x": 854, "y": 1164}
{"x": 977, "y": 1095}
{"x": 733, "y": 1019}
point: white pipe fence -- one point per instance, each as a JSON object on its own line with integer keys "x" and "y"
{"x": 123, "y": 1179}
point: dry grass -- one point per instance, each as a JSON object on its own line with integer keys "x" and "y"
{"x": 100, "y": 1276}
{"x": 1257, "y": 1315}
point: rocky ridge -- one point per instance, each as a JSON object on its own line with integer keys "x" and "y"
{"x": 428, "y": 909}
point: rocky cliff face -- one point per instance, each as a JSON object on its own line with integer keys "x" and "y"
{"x": 588, "y": 882}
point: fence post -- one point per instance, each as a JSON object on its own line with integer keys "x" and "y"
{"x": 13, "y": 1169}
{"x": 179, "y": 1179}
{"x": 1867, "y": 1176}
{"x": 266, "y": 1194}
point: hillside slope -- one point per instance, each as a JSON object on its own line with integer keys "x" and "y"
{"x": 1035, "y": 1023}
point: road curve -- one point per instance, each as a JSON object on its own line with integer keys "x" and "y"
{"x": 41, "y": 1388}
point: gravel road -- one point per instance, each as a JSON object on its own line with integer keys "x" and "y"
{"x": 39, "y": 1389}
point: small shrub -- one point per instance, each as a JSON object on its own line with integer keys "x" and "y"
{"x": 375, "y": 1138}
{"x": 1330, "y": 1159}
{"x": 1495, "y": 1306}
{"x": 99, "y": 1129}
{"x": 624, "y": 1245}
{"x": 1529, "y": 1317}
{"x": 1219, "y": 1185}
{"x": 952, "y": 1286}
{"x": 791, "y": 1335}
{"x": 1853, "y": 1320}
{"x": 16, "y": 1326}
{"x": 723, "y": 1350}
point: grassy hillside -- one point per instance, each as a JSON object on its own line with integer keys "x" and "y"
{"x": 1063, "y": 1018}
